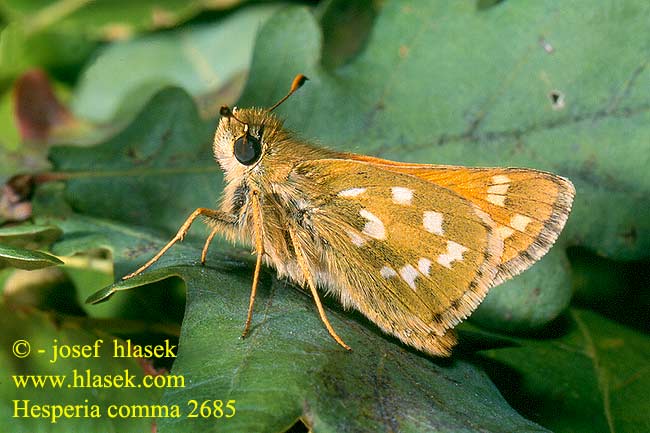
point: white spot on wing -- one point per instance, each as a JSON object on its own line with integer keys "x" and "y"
{"x": 519, "y": 222}
{"x": 432, "y": 222}
{"x": 402, "y": 195}
{"x": 454, "y": 253}
{"x": 498, "y": 200}
{"x": 356, "y": 238}
{"x": 498, "y": 189}
{"x": 423, "y": 265}
{"x": 352, "y": 192}
{"x": 500, "y": 178}
{"x": 409, "y": 274}
{"x": 387, "y": 272}
{"x": 504, "y": 232}
{"x": 374, "y": 227}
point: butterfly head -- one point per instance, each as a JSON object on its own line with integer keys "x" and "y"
{"x": 246, "y": 136}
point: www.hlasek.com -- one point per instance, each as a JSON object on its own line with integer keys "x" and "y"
{"x": 87, "y": 379}
{"x": 125, "y": 379}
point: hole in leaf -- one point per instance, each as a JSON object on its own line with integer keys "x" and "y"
{"x": 546, "y": 45}
{"x": 557, "y": 99}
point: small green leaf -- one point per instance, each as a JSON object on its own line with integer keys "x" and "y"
{"x": 25, "y": 259}
{"x": 29, "y": 234}
{"x": 132, "y": 283}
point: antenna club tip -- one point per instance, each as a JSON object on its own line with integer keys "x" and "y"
{"x": 298, "y": 82}
{"x": 295, "y": 85}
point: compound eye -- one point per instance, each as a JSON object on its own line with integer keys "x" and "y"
{"x": 248, "y": 149}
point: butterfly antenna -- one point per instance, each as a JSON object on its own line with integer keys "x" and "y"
{"x": 297, "y": 84}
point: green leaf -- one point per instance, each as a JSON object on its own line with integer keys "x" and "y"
{"x": 594, "y": 377}
{"x": 41, "y": 332}
{"x": 154, "y": 276}
{"x": 289, "y": 368}
{"x": 31, "y": 235}
{"x": 201, "y": 59}
{"x": 25, "y": 259}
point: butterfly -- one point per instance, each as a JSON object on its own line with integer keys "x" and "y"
{"x": 414, "y": 247}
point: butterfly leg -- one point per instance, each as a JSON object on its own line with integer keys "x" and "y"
{"x": 259, "y": 251}
{"x": 215, "y": 215}
{"x": 204, "y": 252}
{"x": 310, "y": 282}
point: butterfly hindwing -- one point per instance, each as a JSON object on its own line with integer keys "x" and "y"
{"x": 413, "y": 257}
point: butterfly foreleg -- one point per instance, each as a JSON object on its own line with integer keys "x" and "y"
{"x": 259, "y": 251}
{"x": 219, "y": 217}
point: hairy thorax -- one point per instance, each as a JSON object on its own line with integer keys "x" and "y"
{"x": 284, "y": 203}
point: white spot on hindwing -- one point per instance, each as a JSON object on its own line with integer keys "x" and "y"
{"x": 402, "y": 195}
{"x": 374, "y": 227}
{"x": 432, "y": 222}
{"x": 520, "y": 222}
{"x": 424, "y": 265}
{"x": 387, "y": 272}
{"x": 409, "y": 274}
{"x": 504, "y": 232}
{"x": 351, "y": 192}
{"x": 454, "y": 253}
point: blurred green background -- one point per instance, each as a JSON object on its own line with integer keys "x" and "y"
{"x": 107, "y": 110}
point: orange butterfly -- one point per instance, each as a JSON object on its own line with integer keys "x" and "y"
{"x": 413, "y": 247}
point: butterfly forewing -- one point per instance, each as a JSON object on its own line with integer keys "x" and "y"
{"x": 530, "y": 207}
{"x": 399, "y": 243}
